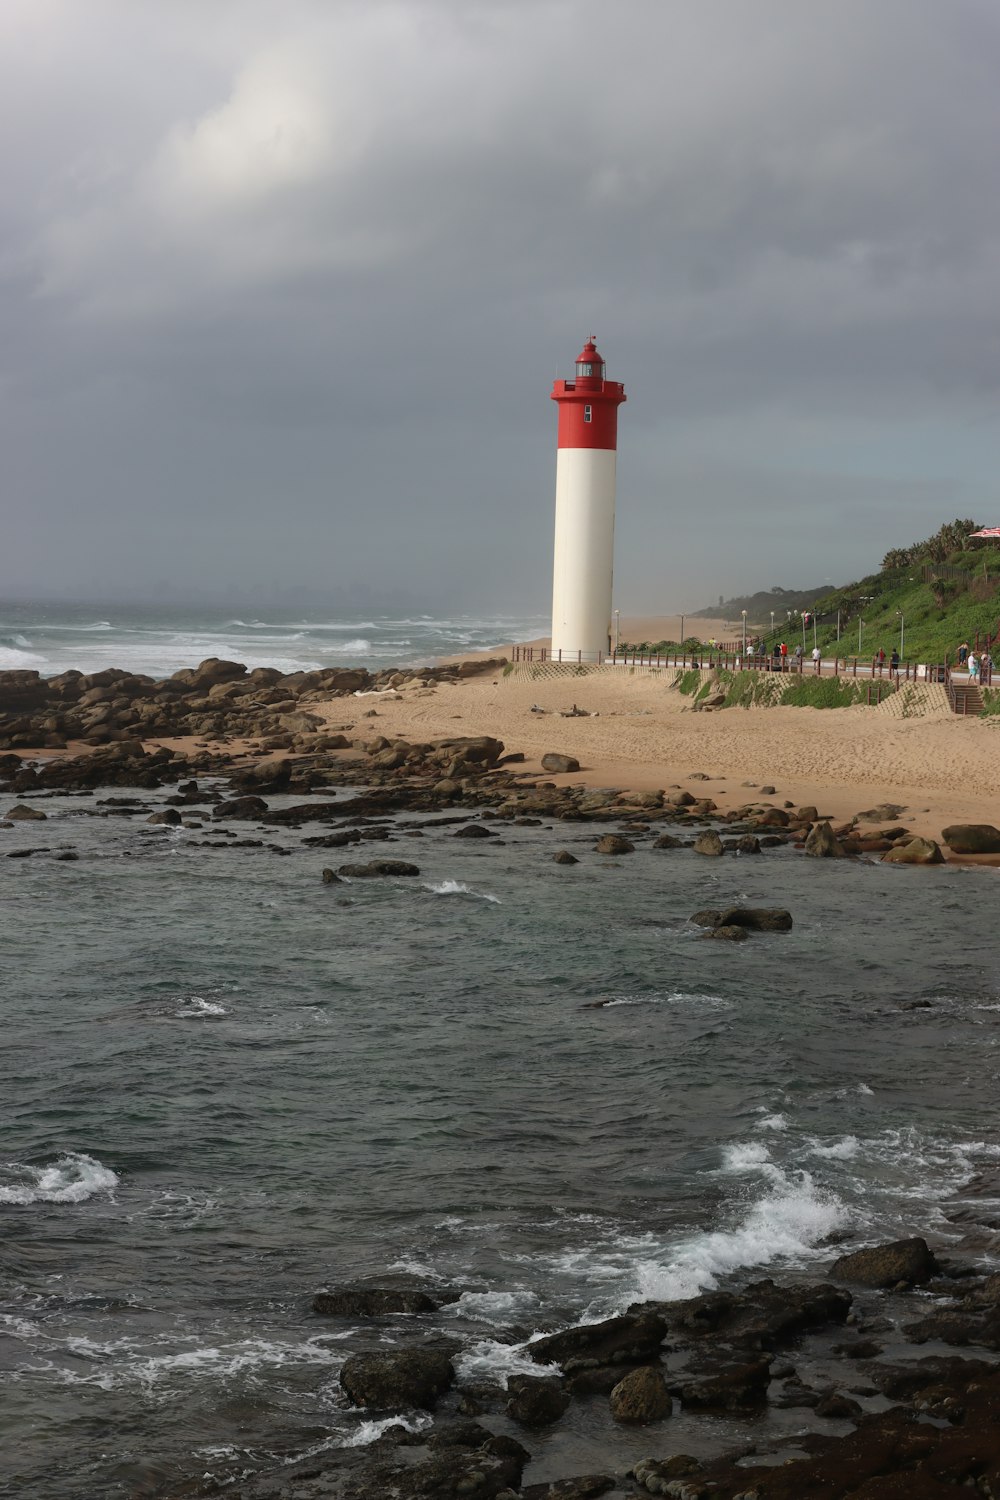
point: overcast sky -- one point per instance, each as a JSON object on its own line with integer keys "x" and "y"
{"x": 284, "y": 288}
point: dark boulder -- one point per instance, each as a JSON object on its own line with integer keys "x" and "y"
{"x": 23, "y": 814}
{"x": 908, "y": 1261}
{"x": 536, "y": 1400}
{"x": 761, "y": 1316}
{"x": 709, "y": 843}
{"x": 475, "y": 831}
{"x": 726, "y": 934}
{"x": 563, "y": 857}
{"x": 668, "y": 841}
{"x": 168, "y": 815}
{"x": 725, "y": 1386}
{"x": 397, "y": 1380}
{"x": 630, "y": 1339}
{"x": 378, "y": 867}
{"x": 241, "y": 807}
{"x": 494, "y": 1469}
{"x": 371, "y": 1302}
{"x": 754, "y": 918}
{"x": 914, "y": 852}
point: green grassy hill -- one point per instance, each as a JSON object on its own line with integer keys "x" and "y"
{"x": 939, "y": 592}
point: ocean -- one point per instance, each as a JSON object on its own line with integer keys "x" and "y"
{"x": 159, "y": 640}
{"x": 530, "y": 1087}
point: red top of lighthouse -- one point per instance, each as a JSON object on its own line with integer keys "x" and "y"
{"x": 588, "y": 405}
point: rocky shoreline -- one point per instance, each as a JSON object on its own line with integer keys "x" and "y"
{"x": 873, "y": 1413}
{"x": 259, "y": 729}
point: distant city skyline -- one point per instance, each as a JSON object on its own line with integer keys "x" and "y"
{"x": 284, "y": 291}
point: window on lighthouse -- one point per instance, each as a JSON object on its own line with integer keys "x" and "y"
{"x": 587, "y": 368}
{"x": 588, "y": 413}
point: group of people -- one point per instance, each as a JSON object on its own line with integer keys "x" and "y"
{"x": 979, "y": 664}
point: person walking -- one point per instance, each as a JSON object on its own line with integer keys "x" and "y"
{"x": 985, "y": 669}
{"x": 963, "y": 653}
{"x": 972, "y": 663}
{"x": 894, "y": 660}
{"x": 784, "y": 656}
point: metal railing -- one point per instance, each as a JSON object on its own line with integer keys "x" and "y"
{"x": 732, "y": 659}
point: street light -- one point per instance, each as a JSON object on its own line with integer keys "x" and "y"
{"x": 618, "y": 628}
{"x": 744, "y": 614}
{"x": 900, "y": 614}
{"x": 772, "y": 627}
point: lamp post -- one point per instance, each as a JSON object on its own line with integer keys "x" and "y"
{"x": 861, "y": 624}
{"x": 900, "y": 614}
{"x": 772, "y": 627}
{"x": 815, "y": 641}
{"x": 744, "y": 614}
{"x": 682, "y": 632}
{"x": 618, "y": 628}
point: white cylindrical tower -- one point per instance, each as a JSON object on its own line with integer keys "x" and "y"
{"x": 585, "y": 510}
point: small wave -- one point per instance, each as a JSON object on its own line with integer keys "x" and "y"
{"x": 359, "y": 647}
{"x": 374, "y": 1427}
{"x": 772, "y": 1122}
{"x": 673, "y": 997}
{"x": 13, "y": 658}
{"x": 787, "y": 1222}
{"x": 493, "y": 1307}
{"x": 459, "y": 888}
{"x": 489, "y": 1360}
{"x": 842, "y": 1150}
{"x": 197, "y": 1005}
{"x": 74, "y": 1178}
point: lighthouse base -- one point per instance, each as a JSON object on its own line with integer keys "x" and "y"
{"x": 584, "y": 553}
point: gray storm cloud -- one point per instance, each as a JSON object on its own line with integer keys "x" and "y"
{"x": 284, "y": 289}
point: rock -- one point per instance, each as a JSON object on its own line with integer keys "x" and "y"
{"x": 399, "y": 1380}
{"x": 23, "y": 814}
{"x": 641, "y": 1396}
{"x": 884, "y": 813}
{"x": 563, "y": 857}
{"x": 559, "y": 764}
{"x": 378, "y": 867}
{"x": 536, "y": 1400}
{"x": 821, "y": 843}
{"x": 655, "y": 1474}
{"x": 970, "y": 838}
{"x": 680, "y": 799}
{"x": 755, "y": 918}
{"x": 747, "y": 844}
{"x": 807, "y": 815}
{"x": 762, "y": 1316}
{"x": 613, "y": 843}
{"x": 838, "y": 1408}
{"x": 371, "y": 1302}
{"x": 725, "y": 1386}
{"x": 916, "y": 852}
{"x": 330, "y": 878}
{"x": 492, "y": 1470}
{"x": 886, "y": 1265}
{"x": 580, "y": 1487}
{"x": 389, "y": 760}
{"x": 475, "y": 831}
{"x": 667, "y": 841}
{"x": 241, "y": 807}
{"x": 727, "y": 934}
{"x": 768, "y": 791}
{"x": 708, "y": 843}
{"x": 630, "y": 1339}
{"x": 168, "y": 815}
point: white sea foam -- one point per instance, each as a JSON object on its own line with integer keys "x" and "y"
{"x": 197, "y": 1005}
{"x": 787, "y": 1222}
{"x": 13, "y": 659}
{"x": 493, "y": 1307}
{"x": 367, "y": 1432}
{"x": 671, "y": 997}
{"x": 74, "y": 1178}
{"x": 772, "y": 1122}
{"x": 843, "y": 1150}
{"x": 493, "y": 1361}
{"x": 122, "y": 1362}
{"x": 459, "y": 888}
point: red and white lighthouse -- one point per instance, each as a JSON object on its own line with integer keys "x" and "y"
{"x": 585, "y": 509}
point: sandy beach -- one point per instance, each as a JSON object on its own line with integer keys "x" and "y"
{"x": 639, "y": 733}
